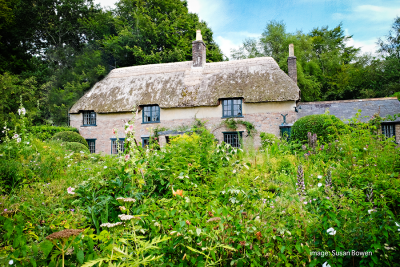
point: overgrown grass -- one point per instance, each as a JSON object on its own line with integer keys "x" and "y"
{"x": 204, "y": 204}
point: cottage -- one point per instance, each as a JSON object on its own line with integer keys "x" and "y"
{"x": 347, "y": 109}
{"x": 173, "y": 95}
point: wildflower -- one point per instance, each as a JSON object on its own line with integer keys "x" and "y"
{"x": 11, "y": 262}
{"x": 70, "y": 190}
{"x": 69, "y": 165}
{"x": 331, "y": 231}
{"x": 314, "y": 199}
{"x": 327, "y": 197}
{"x": 105, "y": 167}
{"x": 15, "y": 136}
{"x": 122, "y": 208}
{"x": 128, "y": 199}
{"x": 127, "y": 156}
{"x": 258, "y": 235}
{"x": 326, "y": 264}
{"x": 370, "y": 211}
{"x": 187, "y": 199}
{"x": 272, "y": 207}
{"x": 110, "y": 225}
{"x": 64, "y": 234}
{"x": 214, "y": 219}
{"x": 319, "y": 184}
{"x": 188, "y": 222}
{"x": 27, "y": 143}
{"x": 72, "y": 210}
{"x": 319, "y": 176}
{"x": 114, "y": 131}
{"x": 124, "y": 217}
{"x": 234, "y": 171}
{"x": 305, "y": 202}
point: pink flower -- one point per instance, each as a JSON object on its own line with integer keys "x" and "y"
{"x": 114, "y": 131}
{"x": 70, "y": 190}
{"x": 127, "y": 156}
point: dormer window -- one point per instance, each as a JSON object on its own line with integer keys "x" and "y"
{"x": 89, "y": 118}
{"x": 232, "y": 108}
{"x": 151, "y": 114}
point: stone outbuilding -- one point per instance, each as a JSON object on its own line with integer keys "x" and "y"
{"x": 347, "y": 109}
{"x": 173, "y": 95}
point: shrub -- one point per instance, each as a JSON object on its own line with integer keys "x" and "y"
{"x": 76, "y": 147}
{"x": 69, "y": 136}
{"x": 44, "y": 132}
{"x": 325, "y": 126}
{"x": 268, "y": 139}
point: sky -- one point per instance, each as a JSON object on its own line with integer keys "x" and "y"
{"x": 232, "y": 21}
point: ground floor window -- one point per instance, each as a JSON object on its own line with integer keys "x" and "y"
{"x": 389, "y": 130}
{"x": 233, "y": 138}
{"x": 145, "y": 141}
{"x": 117, "y": 146}
{"x": 92, "y": 145}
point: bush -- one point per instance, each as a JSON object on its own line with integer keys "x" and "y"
{"x": 327, "y": 127}
{"x": 44, "y": 132}
{"x": 69, "y": 136}
{"x": 76, "y": 147}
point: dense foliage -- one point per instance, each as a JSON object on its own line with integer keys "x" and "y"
{"x": 326, "y": 127}
{"x": 44, "y": 132}
{"x": 52, "y": 52}
{"x": 195, "y": 202}
{"x": 327, "y": 68}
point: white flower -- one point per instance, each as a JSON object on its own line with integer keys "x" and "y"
{"x": 187, "y": 199}
{"x": 82, "y": 152}
{"x": 331, "y": 231}
{"x": 27, "y": 143}
{"x": 15, "y": 136}
{"x": 105, "y": 167}
{"x": 319, "y": 184}
{"x": 124, "y": 217}
{"x": 398, "y": 225}
{"x": 18, "y": 140}
{"x": 326, "y": 264}
{"x": 11, "y": 262}
{"x": 370, "y": 211}
{"x": 234, "y": 171}
{"x": 319, "y": 176}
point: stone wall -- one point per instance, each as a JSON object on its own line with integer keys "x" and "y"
{"x": 397, "y": 131}
{"x": 266, "y": 117}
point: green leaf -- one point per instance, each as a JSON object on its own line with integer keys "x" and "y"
{"x": 213, "y": 255}
{"x": 282, "y": 249}
{"x": 34, "y": 249}
{"x": 33, "y": 262}
{"x": 46, "y": 247}
{"x": 80, "y": 256}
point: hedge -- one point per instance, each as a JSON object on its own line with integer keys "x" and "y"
{"x": 76, "y": 147}
{"x": 44, "y": 132}
{"x": 325, "y": 126}
{"x": 70, "y": 136}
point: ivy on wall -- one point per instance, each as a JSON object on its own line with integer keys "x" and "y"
{"x": 233, "y": 124}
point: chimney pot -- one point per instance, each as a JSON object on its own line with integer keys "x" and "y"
{"x": 198, "y": 36}
{"x": 291, "y": 50}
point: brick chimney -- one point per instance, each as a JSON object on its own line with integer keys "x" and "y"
{"x": 199, "y": 51}
{"x": 292, "y": 68}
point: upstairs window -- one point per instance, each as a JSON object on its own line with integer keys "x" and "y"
{"x": 389, "y": 130}
{"x": 89, "y": 118}
{"x": 232, "y": 108}
{"x": 92, "y": 145}
{"x": 117, "y": 146}
{"x": 151, "y": 114}
{"x": 233, "y": 138}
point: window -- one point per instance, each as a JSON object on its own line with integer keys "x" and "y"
{"x": 233, "y": 138}
{"x": 145, "y": 141}
{"x": 232, "y": 108}
{"x": 117, "y": 146}
{"x": 89, "y": 118}
{"x": 151, "y": 114}
{"x": 167, "y": 139}
{"x": 92, "y": 145}
{"x": 388, "y": 130}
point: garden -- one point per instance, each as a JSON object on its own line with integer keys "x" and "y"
{"x": 328, "y": 197}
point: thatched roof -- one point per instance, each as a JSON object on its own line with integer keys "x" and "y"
{"x": 346, "y": 109}
{"x": 180, "y": 85}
